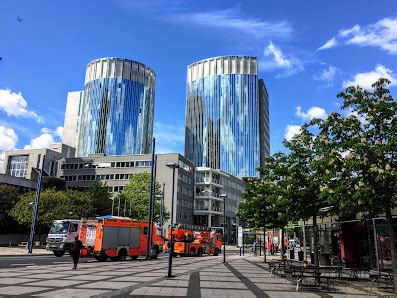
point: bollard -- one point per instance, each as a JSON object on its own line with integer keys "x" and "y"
{"x": 240, "y": 251}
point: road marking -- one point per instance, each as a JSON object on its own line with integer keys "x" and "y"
{"x": 61, "y": 262}
{"x": 21, "y": 264}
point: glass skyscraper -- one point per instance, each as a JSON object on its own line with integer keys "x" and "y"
{"x": 117, "y": 108}
{"x": 227, "y": 115}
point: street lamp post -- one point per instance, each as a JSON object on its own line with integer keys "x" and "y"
{"x": 151, "y": 201}
{"x": 112, "y": 204}
{"x": 36, "y": 206}
{"x": 173, "y": 166}
{"x": 224, "y": 196}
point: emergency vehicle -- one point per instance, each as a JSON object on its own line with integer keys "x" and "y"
{"x": 195, "y": 241}
{"x": 117, "y": 237}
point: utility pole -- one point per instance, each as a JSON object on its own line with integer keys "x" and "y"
{"x": 36, "y": 206}
{"x": 224, "y": 196}
{"x": 149, "y": 230}
{"x": 162, "y": 210}
{"x": 173, "y": 166}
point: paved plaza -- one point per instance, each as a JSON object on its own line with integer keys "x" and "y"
{"x": 206, "y": 276}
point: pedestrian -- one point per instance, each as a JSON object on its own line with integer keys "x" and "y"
{"x": 75, "y": 251}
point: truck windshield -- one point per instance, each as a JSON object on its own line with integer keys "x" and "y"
{"x": 59, "y": 228}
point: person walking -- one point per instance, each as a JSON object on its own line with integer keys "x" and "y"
{"x": 75, "y": 251}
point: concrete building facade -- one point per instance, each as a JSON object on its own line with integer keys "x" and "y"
{"x": 72, "y": 118}
{"x": 21, "y": 163}
{"x": 211, "y": 186}
{"x": 116, "y": 171}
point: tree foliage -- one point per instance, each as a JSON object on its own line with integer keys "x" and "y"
{"x": 137, "y": 193}
{"x": 347, "y": 162}
{"x": 100, "y": 198}
{"x": 9, "y": 196}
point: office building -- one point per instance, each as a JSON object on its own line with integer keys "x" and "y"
{"x": 226, "y": 115}
{"x": 21, "y": 163}
{"x": 117, "y": 108}
{"x": 72, "y": 118}
{"x": 211, "y": 184}
{"x": 116, "y": 171}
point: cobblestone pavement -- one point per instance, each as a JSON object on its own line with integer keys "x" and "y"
{"x": 194, "y": 277}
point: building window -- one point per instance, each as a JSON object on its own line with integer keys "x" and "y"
{"x": 18, "y": 165}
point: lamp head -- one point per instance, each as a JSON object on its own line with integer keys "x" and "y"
{"x": 173, "y": 165}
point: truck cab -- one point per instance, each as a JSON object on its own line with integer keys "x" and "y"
{"x": 62, "y": 235}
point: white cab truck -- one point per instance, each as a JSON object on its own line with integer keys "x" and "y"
{"x": 62, "y": 235}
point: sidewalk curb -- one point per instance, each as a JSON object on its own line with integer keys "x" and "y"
{"x": 25, "y": 255}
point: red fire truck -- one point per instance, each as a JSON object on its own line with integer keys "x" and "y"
{"x": 195, "y": 241}
{"x": 117, "y": 237}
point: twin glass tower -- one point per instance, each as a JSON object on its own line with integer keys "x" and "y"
{"x": 117, "y": 108}
{"x": 227, "y": 112}
{"x": 227, "y": 115}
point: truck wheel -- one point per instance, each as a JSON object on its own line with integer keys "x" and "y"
{"x": 59, "y": 253}
{"x": 192, "y": 252}
{"x": 122, "y": 254}
{"x": 200, "y": 252}
{"x": 216, "y": 252}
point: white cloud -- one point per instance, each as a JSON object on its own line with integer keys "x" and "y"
{"x": 59, "y": 131}
{"x": 313, "y": 112}
{"x": 382, "y": 34}
{"x": 327, "y": 75}
{"x": 329, "y": 44}
{"x": 13, "y": 104}
{"x": 288, "y": 63}
{"x": 8, "y": 140}
{"x": 232, "y": 18}
{"x": 41, "y": 141}
{"x": 169, "y": 137}
{"x": 366, "y": 79}
{"x": 291, "y": 131}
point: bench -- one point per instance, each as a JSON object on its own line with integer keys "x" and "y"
{"x": 317, "y": 273}
{"x": 23, "y": 244}
{"x": 383, "y": 278}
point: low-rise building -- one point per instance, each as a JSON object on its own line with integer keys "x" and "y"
{"x": 21, "y": 163}
{"x": 116, "y": 171}
{"x": 212, "y": 187}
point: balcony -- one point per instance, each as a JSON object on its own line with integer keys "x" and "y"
{"x": 209, "y": 195}
{"x": 208, "y": 181}
{"x": 207, "y": 210}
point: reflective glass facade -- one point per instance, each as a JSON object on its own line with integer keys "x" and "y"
{"x": 222, "y": 115}
{"x": 118, "y": 107}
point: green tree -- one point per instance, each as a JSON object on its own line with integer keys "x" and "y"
{"x": 53, "y": 205}
{"x": 9, "y": 196}
{"x": 137, "y": 193}
{"x": 305, "y": 180}
{"x": 264, "y": 203}
{"x": 57, "y": 183}
{"x": 100, "y": 198}
{"x": 362, "y": 159}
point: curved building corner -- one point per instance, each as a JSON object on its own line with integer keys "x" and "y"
{"x": 226, "y": 115}
{"x": 117, "y": 108}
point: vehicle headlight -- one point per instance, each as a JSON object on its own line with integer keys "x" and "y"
{"x": 61, "y": 246}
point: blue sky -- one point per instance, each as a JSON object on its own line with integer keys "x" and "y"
{"x": 307, "y": 50}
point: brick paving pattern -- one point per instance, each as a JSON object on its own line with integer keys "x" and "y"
{"x": 207, "y": 276}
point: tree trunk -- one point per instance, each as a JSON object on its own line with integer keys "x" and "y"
{"x": 315, "y": 241}
{"x": 282, "y": 243}
{"x": 389, "y": 222}
{"x": 264, "y": 245}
